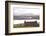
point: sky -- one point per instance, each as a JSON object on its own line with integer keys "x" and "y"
{"x": 20, "y": 11}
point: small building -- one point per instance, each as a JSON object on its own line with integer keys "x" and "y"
{"x": 33, "y": 24}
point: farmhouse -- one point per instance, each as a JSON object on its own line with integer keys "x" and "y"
{"x": 33, "y": 24}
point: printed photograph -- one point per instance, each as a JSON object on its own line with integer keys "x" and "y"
{"x": 26, "y": 17}
{"x": 22, "y": 17}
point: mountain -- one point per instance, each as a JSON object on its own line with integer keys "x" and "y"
{"x": 27, "y": 16}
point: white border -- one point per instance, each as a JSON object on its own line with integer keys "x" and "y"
{"x": 32, "y": 29}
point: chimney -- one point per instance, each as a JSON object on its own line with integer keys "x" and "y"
{"x": 24, "y": 21}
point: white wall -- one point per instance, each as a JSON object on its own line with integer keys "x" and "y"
{"x": 2, "y": 18}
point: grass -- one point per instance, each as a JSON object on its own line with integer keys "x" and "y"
{"x": 17, "y": 26}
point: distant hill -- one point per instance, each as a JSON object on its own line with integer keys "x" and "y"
{"x": 27, "y": 16}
